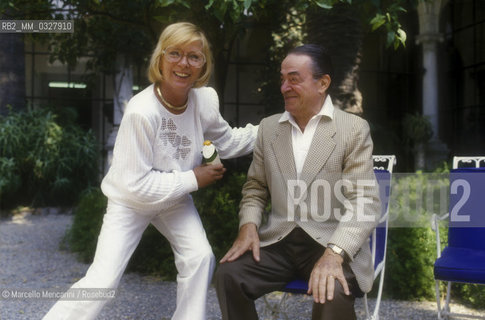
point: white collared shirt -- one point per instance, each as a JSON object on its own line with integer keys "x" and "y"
{"x": 301, "y": 141}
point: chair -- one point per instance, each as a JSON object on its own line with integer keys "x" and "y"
{"x": 463, "y": 259}
{"x": 383, "y": 166}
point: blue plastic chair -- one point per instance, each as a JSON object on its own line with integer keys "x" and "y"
{"x": 383, "y": 166}
{"x": 463, "y": 259}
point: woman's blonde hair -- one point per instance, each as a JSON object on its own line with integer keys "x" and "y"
{"x": 179, "y": 34}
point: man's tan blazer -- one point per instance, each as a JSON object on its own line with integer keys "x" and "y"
{"x": 336, "y": 199}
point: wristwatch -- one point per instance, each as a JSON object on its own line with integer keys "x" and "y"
{"x": 337, "y": 250}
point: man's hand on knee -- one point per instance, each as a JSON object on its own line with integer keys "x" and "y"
{"x": 326, "y": 271}
{"x": 247, "y": 239}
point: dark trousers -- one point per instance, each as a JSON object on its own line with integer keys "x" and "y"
{"x": 241, "y": 282}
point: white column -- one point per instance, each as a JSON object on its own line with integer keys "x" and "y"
{"x": 429, "y": 36}
{"x": 435, "y": 152}
{"x": 123, "y": 91}
{"x": 430, "y": 85}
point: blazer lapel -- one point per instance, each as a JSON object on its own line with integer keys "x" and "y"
{"x": 283, "y": 150}
{"x": 321, "y": 148}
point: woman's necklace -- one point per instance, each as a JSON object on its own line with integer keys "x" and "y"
{"x": 169, "y": 105}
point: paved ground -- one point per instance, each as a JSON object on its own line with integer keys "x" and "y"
{"x": 31, "y": 261}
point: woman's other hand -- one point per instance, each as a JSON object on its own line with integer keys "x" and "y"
{"x": 207, "y": 174}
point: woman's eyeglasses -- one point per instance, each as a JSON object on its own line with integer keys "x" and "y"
{"x": 195, "y": 59}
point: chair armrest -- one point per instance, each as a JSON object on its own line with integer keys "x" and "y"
{"x": 435, "y": 219}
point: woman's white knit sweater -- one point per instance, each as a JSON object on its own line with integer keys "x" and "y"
{"x": 155, "y": 150}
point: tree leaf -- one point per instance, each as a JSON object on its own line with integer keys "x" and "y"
{"x": 377, "y": 21}
{"x": 185, "y": 3}
{"x": 390, "y": 38}
{"x": 401, "y": 35}
{"x": 207, "y": 6}
{"x": 236, "y": 11}
{"x": 161, "y": 19}
{"x": 220, "y": 11}
{"x": 165, "y": 3}
{"x": 323, "y": 4}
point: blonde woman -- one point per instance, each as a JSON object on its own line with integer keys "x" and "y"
{"x": 156, "y": 165}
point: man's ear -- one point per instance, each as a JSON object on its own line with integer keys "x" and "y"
{"x": 324, "y": 83}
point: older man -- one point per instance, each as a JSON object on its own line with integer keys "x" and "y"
{"x": 314, "y": 163}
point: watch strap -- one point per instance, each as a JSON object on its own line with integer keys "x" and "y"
{"x": 337, "y": 250}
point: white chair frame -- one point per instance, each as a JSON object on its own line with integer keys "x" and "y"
{"x": 476, "y": 159}
{"x": 388, "y": 164}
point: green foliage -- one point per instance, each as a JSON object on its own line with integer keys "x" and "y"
{"x": 410, "y": 258}
{"x": 472, "y": 295}
{"x": 384, "y": 14}
{"x": 411, "y": 242}
{"x": 9, "y": 178}
{"x": 43, "y": 163}
{"x": 416, "y": 196}
{"x": 107, "y": 32}
{"x": 387, "y": 17}
{"x": 153, "y": 256}
{"x": 82, "y": 237}
{"x": 291, "y": 33}
{"x": 218, "y": 207}
{"x": 287, "y": 32}
{"x": 31, "y": 9}
{"x": 235, "y": 11}
{"x": 417, "y": 128}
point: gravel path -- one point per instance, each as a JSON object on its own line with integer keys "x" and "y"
{"x": 30, "y": 260}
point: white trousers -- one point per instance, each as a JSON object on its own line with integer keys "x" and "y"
{"x": 120, "y": 234}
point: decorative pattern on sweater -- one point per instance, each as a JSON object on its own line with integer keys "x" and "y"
{"x": 181, "y": 144}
